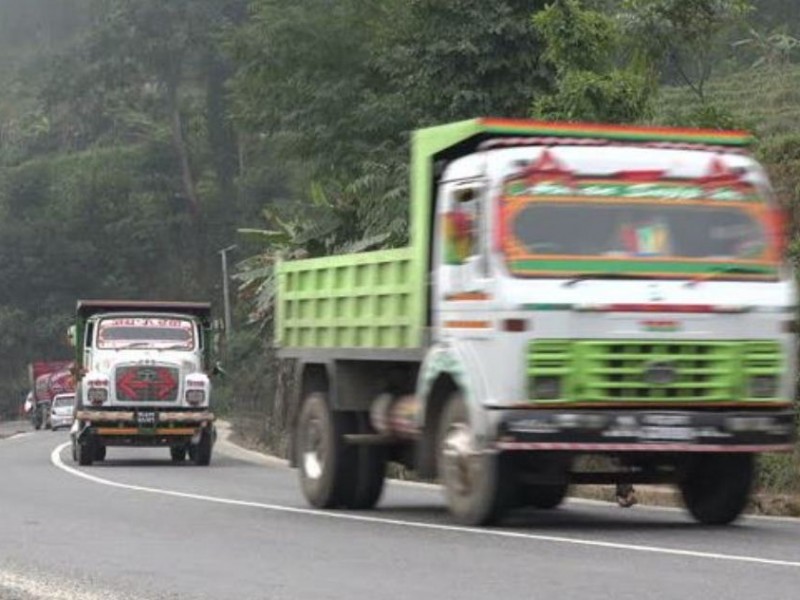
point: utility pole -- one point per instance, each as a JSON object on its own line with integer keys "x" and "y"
{"x": 226, "y": 302}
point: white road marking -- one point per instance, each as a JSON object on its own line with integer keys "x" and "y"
{"x": 55, "y": 458}
{"x": 18, "y": 436}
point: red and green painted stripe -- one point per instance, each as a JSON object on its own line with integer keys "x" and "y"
{"x": 616, "y": 132}
{"x": 568, "y": 266}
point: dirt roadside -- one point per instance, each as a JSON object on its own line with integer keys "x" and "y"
{"x": 13, "y": 427}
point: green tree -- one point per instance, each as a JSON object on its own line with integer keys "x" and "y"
{"x": 684, "y": 38}
{"x": 584, "y": 47}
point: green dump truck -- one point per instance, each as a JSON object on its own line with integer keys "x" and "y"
{"x": 569, "y": 290}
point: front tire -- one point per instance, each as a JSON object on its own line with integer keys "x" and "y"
{"x": 99, "y": 451}
{"x": 716, "y": 487}
{"x": 475, "y": 483}
{"x": 201, "y": 453}
{"x": 85, "y": 451}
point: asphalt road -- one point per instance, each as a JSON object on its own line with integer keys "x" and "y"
{"x": 140, "y": 528}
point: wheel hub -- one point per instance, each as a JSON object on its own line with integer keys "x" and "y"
{"x": 314, "y": 450}
{"x": 457, "y": 452}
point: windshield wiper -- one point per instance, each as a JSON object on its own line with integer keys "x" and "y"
{"x": 609, "y": 275}
{"x": 134, "y": 345}
{"x": 725, "y": 269}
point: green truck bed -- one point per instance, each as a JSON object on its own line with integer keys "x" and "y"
{"x": 367, "y": 300}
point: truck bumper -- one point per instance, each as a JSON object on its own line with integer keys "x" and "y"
{"x": 144, "y": 428}
{"x": 614, "y": 431}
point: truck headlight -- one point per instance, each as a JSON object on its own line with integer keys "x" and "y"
{"x": 762, "y": 386}
{"x": 97, "y": 396}
{"x": 195, "y": 397}
{"x": 545, "y": 387}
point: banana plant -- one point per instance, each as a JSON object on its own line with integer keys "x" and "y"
{"x": 321, "y": 229}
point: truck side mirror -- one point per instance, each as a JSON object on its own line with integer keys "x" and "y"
{"x": 217, "y": 370}
{"x": 72, "y": 336}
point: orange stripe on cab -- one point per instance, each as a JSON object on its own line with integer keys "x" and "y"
{"x": 467, "y": 324}
{"x": 467, "y": 296}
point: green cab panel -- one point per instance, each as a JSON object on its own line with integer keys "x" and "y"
{"x": 656, "y": 371}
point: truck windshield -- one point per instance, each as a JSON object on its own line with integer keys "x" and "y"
{"x": 674, "y": 229}
{"x": 154, "y": 333}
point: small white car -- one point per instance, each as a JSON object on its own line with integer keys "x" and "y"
{"x": 62, "y": 411}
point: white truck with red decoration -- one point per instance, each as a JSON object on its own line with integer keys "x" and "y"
{"x": 142, "y": 378}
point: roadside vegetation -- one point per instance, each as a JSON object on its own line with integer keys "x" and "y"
{"x": 140, "y": 137}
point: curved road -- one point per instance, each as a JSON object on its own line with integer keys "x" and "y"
{"x": 138, "y": 527}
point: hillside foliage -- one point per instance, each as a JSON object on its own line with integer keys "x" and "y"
{"x": 140, "y": 137}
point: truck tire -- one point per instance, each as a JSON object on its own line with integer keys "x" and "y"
{"x": 716, "y": 487}
{"x": 85, "y": 451}
{"x": 177, "y": 453}
{"x": 364, "y": 482}
{"x": 476, "y": 484}
{"x": 99, "y": 451}
{"x": 201, "y": 452}
{"x": 325, "y": 463}
{"x": 544, "y": 496}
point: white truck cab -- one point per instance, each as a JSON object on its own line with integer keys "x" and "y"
{"x": 143, "y": 378}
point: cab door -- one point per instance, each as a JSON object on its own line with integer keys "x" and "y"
{"x": 463, "y": 279}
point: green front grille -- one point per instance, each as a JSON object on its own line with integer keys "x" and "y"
{"x": 617, "y": 370}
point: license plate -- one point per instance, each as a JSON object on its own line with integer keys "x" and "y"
{"x": 146, "y": 419}
{"x": 667, "y": 434}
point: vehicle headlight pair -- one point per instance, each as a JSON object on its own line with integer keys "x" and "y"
{"x": 97, "y": 396}
{"x": 545, "y": 387}
{"x": 195, "y": 397}
{"x": 762, "y": 386}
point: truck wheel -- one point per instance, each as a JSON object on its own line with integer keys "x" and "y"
{"x": 325, "y": 463}
{"x": 201, "y": 453}
{"x": 544, "y": 496}
{"x": 364, "y": 480}
{"x": 177, "y": 453}
{"x": 99, "y": 451}
{"x": 716, "y": 487}
{"x": 85, "y": 451}
{"x": 476, "y": 485}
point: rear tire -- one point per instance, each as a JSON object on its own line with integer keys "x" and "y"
{"x": 325, "y": 465}
{"x": 476, "y": 483}
{"x": 364, "y": 484}
{"x": 716, "y": 487}
{"x": 178, "y": 453}
{"x": 544, "y": 496}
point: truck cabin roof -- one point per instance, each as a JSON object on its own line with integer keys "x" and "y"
{"x": 90, "y": 308}
{"x": 433, "y": 148}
